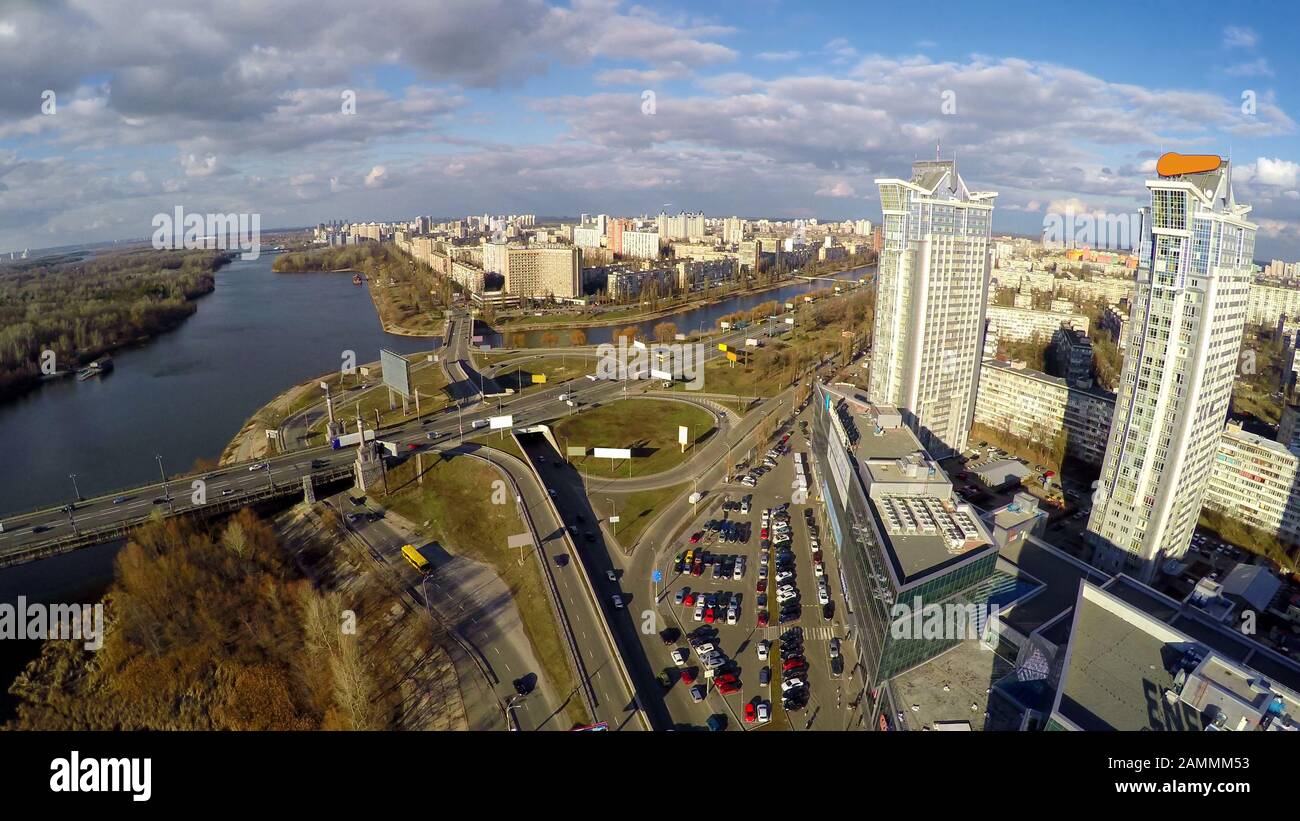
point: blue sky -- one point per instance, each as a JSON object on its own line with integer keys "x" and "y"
{"x": 762, "y": 108}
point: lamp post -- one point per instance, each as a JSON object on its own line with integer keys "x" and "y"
{"x": 166, "y": 494}
{"x": 75, "y": 492}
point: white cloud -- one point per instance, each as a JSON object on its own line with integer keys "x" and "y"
{"x": 1239, "y": 37}
{"x": 838, "y": 188}
{"x": 1277, "y": 173}
{"x": 377, "y": 178}
{"x": 778, "y": 56}
{"x": 1255, "y": 68}
{"x": 196, "y": 166}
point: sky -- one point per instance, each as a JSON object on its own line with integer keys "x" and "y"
{"x": 113, "y": 111}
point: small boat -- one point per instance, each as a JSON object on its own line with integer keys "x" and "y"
{"x": 96, "y": 368}
{"x": 356, "y": 279}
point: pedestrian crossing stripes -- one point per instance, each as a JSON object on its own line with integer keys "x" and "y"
{"x": 814, "y": 633}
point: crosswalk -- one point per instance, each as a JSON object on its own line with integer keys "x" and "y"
{"x": 810, "y": 633}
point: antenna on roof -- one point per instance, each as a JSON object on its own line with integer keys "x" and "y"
{"x": 936, "y": 149}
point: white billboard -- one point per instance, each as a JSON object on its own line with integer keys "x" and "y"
{"x": 495, "y": 422}
{"x": 655, "y": 373}
{"x": 612, "y": 453}
{"x": 682, "y": 434}
{"x": 396, "y": 370}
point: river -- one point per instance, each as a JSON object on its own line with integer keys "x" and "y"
{"x": 183, "y": 395}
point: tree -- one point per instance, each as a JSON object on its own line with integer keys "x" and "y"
{"x": 629, "y": 333}
{"x": 665, "y": 332}
{"x": 577, "y": 337}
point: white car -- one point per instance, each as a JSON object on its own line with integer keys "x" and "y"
{"x": 258, "y": 466}
{"x": 791, "y": 684}
{"x": 739, "y": 572}
{"x": 762, "y": 651}
{"x": 783, "y": 575}
{"x": 783, "y": 596}
{"x": 679, "y": 657}
{"x": 699, "y": 612}
{"x": 744, "y": 508}
{"x": 764, "y": 714}
{"x": 705, "y": 649}
{"x": 818, "y": 570}
{"x": 762, "y": 571}
{"x": 733, "y": 613}
{"x": 823, "y": 597}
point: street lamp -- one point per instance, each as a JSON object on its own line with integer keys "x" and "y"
{"x": 75, "y": 491}
{"x": 166, "y": 494}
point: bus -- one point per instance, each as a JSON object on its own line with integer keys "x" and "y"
{"x": 416, "y": 560}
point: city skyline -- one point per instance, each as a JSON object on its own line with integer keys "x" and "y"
{"x": 609, "y": 107}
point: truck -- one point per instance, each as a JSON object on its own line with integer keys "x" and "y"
{"x": 478, "y": 423}
{"x": 350, "y": 439}
{"x": 695, "y": 497}
{"x": 753, "y": 343}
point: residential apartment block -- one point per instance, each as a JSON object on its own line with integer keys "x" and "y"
{"x": 1039, "y": 408}
{"x": 1026, "y": 324}
{"x": 930, "y": 301}
{"x": 1256, "y": 481}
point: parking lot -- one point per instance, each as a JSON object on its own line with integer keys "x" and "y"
{"x": 753, "y": 579}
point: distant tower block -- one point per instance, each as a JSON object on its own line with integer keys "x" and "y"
{"x": 308, "y": 490}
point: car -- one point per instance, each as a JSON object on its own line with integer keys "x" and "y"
{"x": 761, "y": 587}
{"x": 714, "y": 661}
{"x": 617, "y": 601}
{"x": 765, "y": 676}
{"x": 611, "y": 575}
{"x": 762, "y": 573}
{"x": 834, "y": 647}
{"x": 696, "y": 536}
{"x": 793, "y": 664}
{"x": 551, "y": 492}
{"x": 764, "y": 712}
{"x": 704, "y": 648}
{"x": 730, "y": 688}
{"x": 680, "y": 598}
{"x": 837, "y": 666}
{"x": 733, "y": 614}
{"x": 680, "y": 657}
{"x": 791, "y": 684}
{"x": 823, "y": 596}
{"x": 690, "y": 599}
{"x": 709, "y": 615}
{"x": 828, "y": 611}
{"x": 411, "y": 446}
{"x": 697, "y": 693}
{"x": 728, "y": 678}
{"x": 699, "y": 612}
{"x": 117, "y": 500}
{"x": 561, "y": 559}
{"x": 762, "y": 651}
{"x": 670, "y": 635}
{"x": 762, "y": 618}
{"x": 783, "y": 575}
{"x": 258, "y": 466}
{"x": 689, "y": 675}
{"x": 523, "y": 686}
{"x": 698, "y": 567}
{"x": 227, "y": 491}
{"x": 751, "y": 712}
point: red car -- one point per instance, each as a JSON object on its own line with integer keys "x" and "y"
{"x": 817, "y": 556}
{"x": 762, "y": 618}
{"x": 762, "y": 533}
{"x": 688, "y": 675}
{"x": 696, "y": 536}
{"x": 794, "y": 664}
{"x": 688, "y": 600}
{"x": 751, "y": 712}
{"x": 761, "y": 587}
{"x": 698, "y": 568}
{"x": 708, "y": 615}
{"x": 728, "y": 678}
{"x": 728, "y": 688}
{"x": 412, "y": 446}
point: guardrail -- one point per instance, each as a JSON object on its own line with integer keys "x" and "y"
{"x": 85, "y": 537}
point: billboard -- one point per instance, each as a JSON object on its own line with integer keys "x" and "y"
{"x": 575, "y": 450}
{"x": 683, "y": 434}
{"x": 539, "y": 379}
{"x": 656, "y": 373}
{"x": 731, "y": 356}
{"x": 495, "y": 422}
{"x": 397, "y": 371}
{"x": 612, "y": 453}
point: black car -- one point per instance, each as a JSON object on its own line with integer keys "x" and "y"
{"x": 837, "y": 666}
{"x": 561, "y": 559}
{"x": 524, "y": 685}
{"x": 670, "y": 635}
{"x": 765, "y": 676}
{"x": 828, "y": 611}
{"x": 786, "y": 618}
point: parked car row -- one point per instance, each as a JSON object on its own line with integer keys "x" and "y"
{"x": 717, "y": 567}
{"x": 794, "y": 671}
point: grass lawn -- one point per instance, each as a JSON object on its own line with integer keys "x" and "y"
{"x": 428, "y": 380}
{"x": 554, "y": 368}
{"x": 637, "y": 510}
{"x": 456, "y": 502}
{"x": 496, "y": 440}
{"x": 647, "y": 426}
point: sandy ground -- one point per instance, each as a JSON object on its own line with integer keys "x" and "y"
{"x": 251, "y": 441}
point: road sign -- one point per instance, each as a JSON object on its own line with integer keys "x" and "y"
{"x": 575, "y": 450}
{"x": 613, "y": 520}
{"x": 657, "y": 576}
{"x": 520, "y": 540}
